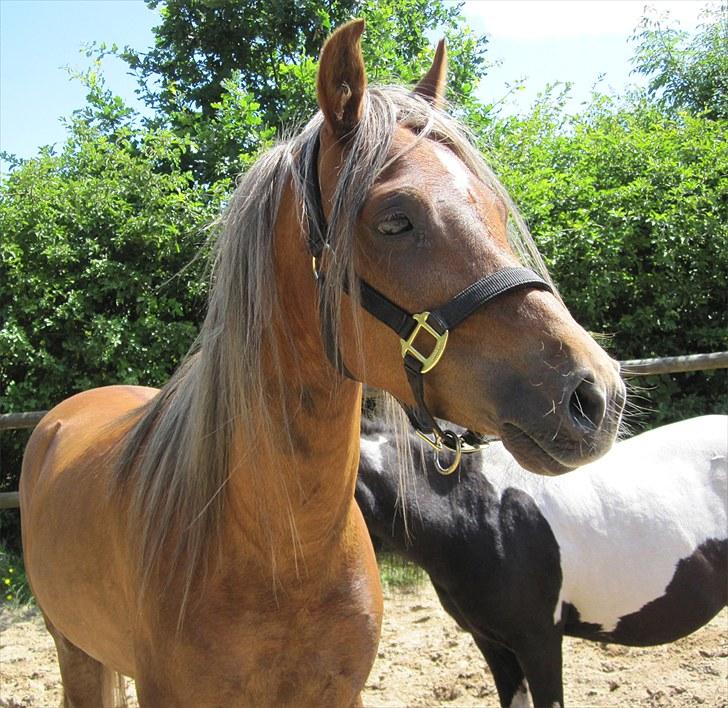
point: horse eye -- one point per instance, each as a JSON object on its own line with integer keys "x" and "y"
{"x": 394, "y": 225}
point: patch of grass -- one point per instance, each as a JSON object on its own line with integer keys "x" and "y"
{"x": 398, "y": 573}
{"x": 14, "y": 588}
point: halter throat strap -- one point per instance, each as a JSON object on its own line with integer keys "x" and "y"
{"x": 436, "y": 323}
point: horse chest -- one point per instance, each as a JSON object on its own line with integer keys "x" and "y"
{"x": 307, "y": 656}
{"x": 309, "y": 645}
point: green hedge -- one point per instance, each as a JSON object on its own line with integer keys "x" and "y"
{"x": 628, "y": 207}
{"x": 96, "y": 285}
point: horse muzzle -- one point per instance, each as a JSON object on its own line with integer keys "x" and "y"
{"x": 573, "y": 429}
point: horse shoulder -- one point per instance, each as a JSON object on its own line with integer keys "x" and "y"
{"x": 65, "y": 485}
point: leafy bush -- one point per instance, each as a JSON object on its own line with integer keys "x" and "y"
{"x": 628, "y": 207}
{"x": 93, "y": 260}
{"x": 94, "y": 279}
{"x": 14, "y": 588}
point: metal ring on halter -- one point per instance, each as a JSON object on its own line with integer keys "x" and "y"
{"x": 466, "y": 448}
{"x": 447, "y": 444}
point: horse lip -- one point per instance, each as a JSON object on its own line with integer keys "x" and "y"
{"x": 530, "y": 453}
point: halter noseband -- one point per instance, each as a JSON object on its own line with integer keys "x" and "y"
{"x": 436, "y": 323}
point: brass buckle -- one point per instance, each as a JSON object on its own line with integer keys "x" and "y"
{"x": 428, "y": 362}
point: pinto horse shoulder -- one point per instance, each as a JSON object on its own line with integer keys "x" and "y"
{"x": 642, "y": 535}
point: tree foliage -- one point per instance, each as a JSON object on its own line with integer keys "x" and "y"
{"x": 200, "y": 44}
{"x": 688, "y": 73}
{"x": 265, "y": 54}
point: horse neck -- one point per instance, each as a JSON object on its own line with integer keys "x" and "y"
{"x": 295, "y": 494}
{"x": 443, "y": 513}
{"x": 400, "y": 513}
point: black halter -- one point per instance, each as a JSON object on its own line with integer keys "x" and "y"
{"x": 437, "y": 323}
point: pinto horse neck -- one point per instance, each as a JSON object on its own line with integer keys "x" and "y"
{"x": 418, "y": 515}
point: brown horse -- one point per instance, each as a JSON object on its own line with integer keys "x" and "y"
{"x": 203, "y": 539}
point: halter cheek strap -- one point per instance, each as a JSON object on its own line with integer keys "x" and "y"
{"x": 436, "y": 323}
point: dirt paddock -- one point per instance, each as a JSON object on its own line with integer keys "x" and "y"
{"x": 426, "y": 660}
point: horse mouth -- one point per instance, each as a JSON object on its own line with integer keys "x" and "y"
{"x": 529, "y": 453}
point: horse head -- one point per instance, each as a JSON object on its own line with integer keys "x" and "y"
{"x": 432, "y": 226}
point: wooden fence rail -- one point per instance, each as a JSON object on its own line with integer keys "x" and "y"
{"x": 675, "y": 364}
{"x": 632, "y": 367}
{"x": 9, "y": 500}
{"x": 15, "y": 421}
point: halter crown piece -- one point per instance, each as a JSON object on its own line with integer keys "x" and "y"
{"x": 437, "y": 323}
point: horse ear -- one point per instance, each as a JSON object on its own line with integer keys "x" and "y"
{"x": 432, "y": 85}
{"x": 342, "y": 79}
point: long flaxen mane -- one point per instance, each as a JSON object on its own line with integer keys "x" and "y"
{"x": 177, "y": 457}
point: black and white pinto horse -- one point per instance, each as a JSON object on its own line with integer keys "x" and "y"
{"x": 630, "y": 549}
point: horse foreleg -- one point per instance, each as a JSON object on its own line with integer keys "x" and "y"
{"x": 86, "y": 682}
{"x": 541, "y": 662}
{"x": 510, "y": 681}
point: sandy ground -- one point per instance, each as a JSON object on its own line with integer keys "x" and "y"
{"x": 426, "y": 660}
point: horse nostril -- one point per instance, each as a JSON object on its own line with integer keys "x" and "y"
{"x": 587, "y": 405}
